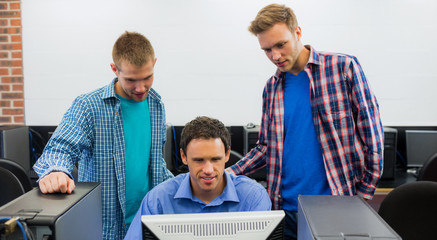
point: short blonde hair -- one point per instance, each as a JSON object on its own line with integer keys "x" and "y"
{"x": 270, "y": 15}
{"x": 132, "y": 48}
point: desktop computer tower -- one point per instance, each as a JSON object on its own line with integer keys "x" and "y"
{"x": 327, "y": 217}
{"x": 390, "y": 148}
{"x": 14, "y": 145}
{"x": 58, "y": 216}
{"x": 250, "y": 138}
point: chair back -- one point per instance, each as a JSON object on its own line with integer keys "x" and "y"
{"x": 10, "y": 186}
{"x": 234, "y": 157}
{"x": 411, "y": 210}
{"x": 429, "y": 170}
{"x": 18, "y": 171}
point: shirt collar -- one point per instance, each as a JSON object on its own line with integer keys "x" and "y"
{"x": 229, "y": 193}
{"x": 314, "y": 56}
{"x": 108, "y": 90}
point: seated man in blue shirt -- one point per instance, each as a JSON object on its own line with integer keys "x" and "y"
{"x": 205, "y": 148}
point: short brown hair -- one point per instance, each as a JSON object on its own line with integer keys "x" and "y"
{"x": 270, "y": 15}
{"x": 204, "y": 128}
{"x": 133, "y": 48}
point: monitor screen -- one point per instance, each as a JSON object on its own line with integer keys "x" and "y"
{"x": 421, "y": 145}
{"x": 223, "y": 225}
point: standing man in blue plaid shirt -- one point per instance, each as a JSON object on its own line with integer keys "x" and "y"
{"x": 116, "y": 134}
{"x": 321, "y": 131}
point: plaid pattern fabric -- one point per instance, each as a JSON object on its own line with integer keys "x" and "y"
{"x": 346, "y": 119}
{"x": 91, "y": 133}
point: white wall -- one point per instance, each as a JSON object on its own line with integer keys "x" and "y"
{"x": 209, "y": 64}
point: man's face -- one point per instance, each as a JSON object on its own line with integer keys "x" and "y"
{"x": 134, "y": 82}
{"x": 206, "y": 160}
{"x": 281, "y": 46}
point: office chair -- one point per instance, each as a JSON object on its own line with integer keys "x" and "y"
{"x": 10, "y": 186}
{"x": 411, "y": 210}
{"x": 428, "y": 172}
{"x": 234, "y": 157}
{"x": 18, "y": 171}
{"x": 168, "y": 151}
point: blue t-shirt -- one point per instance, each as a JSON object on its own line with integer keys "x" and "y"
{"x": 138, "y": 140}
{"x": 302, "y": 163}
{"x": 174, "y": 196}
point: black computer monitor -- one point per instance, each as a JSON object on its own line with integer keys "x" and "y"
{"x": 421, "y": 145}
{"x": 14, "y": 145}
{"x": 222, "y": 225}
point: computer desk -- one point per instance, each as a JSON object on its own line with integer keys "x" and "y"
{"x": 401, "y": 177}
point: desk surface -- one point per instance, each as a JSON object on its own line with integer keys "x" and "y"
{"x": 402, "y": 176}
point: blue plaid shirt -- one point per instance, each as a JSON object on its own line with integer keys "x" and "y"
{"x": 91, "y": 133}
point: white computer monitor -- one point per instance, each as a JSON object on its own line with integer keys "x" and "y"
{"x": 421, "y": 145}
{"x": 224, "y": 225}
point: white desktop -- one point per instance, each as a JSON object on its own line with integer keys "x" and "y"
{"x": 223, "y": 225}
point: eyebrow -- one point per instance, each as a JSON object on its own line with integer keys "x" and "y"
{"x": 201, "y": 158}
{"x": 275, "y": 45}
{"x": 132, "y": 79}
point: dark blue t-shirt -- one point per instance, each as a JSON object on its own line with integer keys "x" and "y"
{"x": 303, "y": 170}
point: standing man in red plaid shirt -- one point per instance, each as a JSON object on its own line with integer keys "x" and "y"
{"x": 321, "y": 131}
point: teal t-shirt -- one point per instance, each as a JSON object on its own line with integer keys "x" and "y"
{"x": 138, "y": 141}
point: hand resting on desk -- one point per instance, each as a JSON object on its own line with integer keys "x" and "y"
{"x": 56, "y": 182}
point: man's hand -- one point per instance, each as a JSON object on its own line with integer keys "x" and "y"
{"x": 56, "y": 182}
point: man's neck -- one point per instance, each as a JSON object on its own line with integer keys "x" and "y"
{"x": 301, "y": 62}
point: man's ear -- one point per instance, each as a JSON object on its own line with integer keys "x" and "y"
{"x": 228, "y": 154}
{"x": 184, "y": 158}
{"x": 114, "y": 69}
{"x": 298, "y": 33}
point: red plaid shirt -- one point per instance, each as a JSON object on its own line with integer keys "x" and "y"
{"x": 347, "y": 123}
